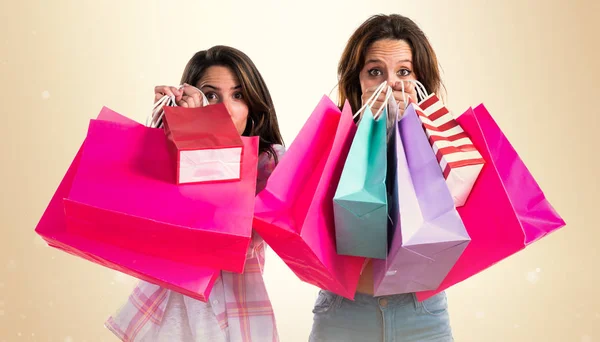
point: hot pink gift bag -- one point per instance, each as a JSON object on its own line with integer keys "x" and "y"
{"x": 506, "y": 210}
{"x": 294, "y": 213}
{"x": 193, "y": 281}
{"x": 123, "y": 194}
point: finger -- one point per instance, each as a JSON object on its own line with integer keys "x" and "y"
{"x": 163, "y": 90}
{"x": 159, "y": 94}
{"x": 407, "y": 86}
{"x": 189, "y": 90}
{"x": 375, "y": 107}
{"x": 193, "y": 92}
{"x": 410, "y": 90}
{"x": 400, "y": 96}
{"x": 197, "y": 100}
{"x": 400, "y": 112}
{"x": 189, "y": 100}
{"x": 369, "y": 91}
{"x": 410, "y": 87}
{"x": 367, "y": 96}
{"x": 379, "y": 103}
{"x": 373, "y": 88}
{"x": 177, "y": 93}
{"x": 413, "y": 96}
{"x": 182, "y": 103}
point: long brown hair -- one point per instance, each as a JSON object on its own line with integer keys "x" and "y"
{"x": 262, "y": 119}
{"x": 377, "y": 27}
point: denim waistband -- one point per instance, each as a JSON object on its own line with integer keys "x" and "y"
{"x": 395, "y": 300}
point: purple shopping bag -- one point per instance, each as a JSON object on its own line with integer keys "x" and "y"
{"x": 428, "y": 233}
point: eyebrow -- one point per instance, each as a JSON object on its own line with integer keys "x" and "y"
{"x": 239, "y": 86}
{"x": 380, "y": 61}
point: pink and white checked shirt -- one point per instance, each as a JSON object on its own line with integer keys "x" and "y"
{"x": 240, "y": 303}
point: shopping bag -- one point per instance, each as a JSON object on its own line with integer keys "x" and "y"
{"x": 294, "y": 213}
{"x": 192, "y": 281}
{"x": 360, "y": 201}
{"x": 123, "y": 195}
{"x": 429, "y": 235}
{"x": 204, "y": 144}
{"x": 506, "y": 211}
{"x": 458, "y": 158}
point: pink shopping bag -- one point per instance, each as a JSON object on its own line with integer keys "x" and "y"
{"x": 123, "y": 194}
{"x": 294, "y": 213}
{"x": 506, "y": 210}
{"x": 193, "y": 281}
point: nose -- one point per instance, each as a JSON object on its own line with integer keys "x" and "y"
{"x": 392, "y": 79}
{"x": 228, "y": 105}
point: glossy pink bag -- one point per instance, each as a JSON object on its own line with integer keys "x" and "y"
{"x": 506, "y": 210}
{"x": 123, "y": 194}
{"x": 193, "y": 281}
{"x": 294, "y": 213}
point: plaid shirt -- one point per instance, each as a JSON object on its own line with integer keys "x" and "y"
{"x": 239, "y": 302}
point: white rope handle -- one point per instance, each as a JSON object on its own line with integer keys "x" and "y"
{"x": 419, "y": 87}
{"x": 332, "y": 89}
{"x": 157, "y": 111}
{"x": 404, "y": 97}
{"x": 390, "y": 93}
{"x": 421, "y": 91}
{"x": 371, "y": 99}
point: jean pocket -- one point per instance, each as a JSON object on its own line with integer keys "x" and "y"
{"x": 325, "y": 302}
{"x": 436, "y": 305}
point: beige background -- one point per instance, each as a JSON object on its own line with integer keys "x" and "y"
{"x": 533, "y": 63}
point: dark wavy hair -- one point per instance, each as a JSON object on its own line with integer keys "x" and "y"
{"x": 263, "y": 119}
{"x": 378, "y": 27}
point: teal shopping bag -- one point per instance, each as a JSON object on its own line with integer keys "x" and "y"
{"x": 360, "y": 202}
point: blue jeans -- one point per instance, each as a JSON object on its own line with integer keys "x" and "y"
{"x": 398, "y": 318}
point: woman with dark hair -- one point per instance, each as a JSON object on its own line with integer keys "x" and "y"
{"x": 238, "y": 308}
{"x": 392, "y": 49}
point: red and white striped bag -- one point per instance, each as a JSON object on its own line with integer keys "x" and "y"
{"x": 460, "y": 161}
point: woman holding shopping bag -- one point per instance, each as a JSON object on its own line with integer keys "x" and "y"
{"x": 392, "y": 49}
{"x": 238, "y": 308}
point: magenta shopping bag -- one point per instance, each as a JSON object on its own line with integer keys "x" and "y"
{"x": 123, "y": 194}
{"x": 294, "y": 213}
{"x": 190, "y": 280}
{"x": 506, "y": 210}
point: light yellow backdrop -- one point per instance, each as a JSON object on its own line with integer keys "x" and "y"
{"x": 533, "y": 63}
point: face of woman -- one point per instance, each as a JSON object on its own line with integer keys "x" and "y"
{"x": 387, "y": 60}
{"x": 220, "y": 85}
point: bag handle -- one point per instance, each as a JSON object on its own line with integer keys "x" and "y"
{"x": 419, "y": 87}
{"x": 421, "y": 91}
{"x": 388, "y": 95}
{"x": 371, "y": 99}
{"x": 155, "y": 119}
